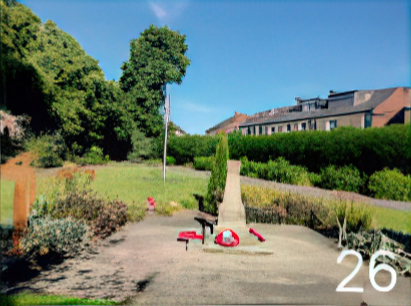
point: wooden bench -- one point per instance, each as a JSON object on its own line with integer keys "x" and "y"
{"x": 206, "y": 220}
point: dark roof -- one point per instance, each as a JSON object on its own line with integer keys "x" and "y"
{"x": 237, "y": 118}
{"x": 377, "y": 97}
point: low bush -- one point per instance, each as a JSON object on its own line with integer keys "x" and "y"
{"x": 185, "y": 148}
{"x": 66, "y": 181}
{"x": 170, "y": 160}
{"x": 273, "y": 206}
{"x": 153, "y": 162}
{"x": 279, "y": 170}
{"x": 48, "y": 149}
{"x": 390, "y": 185}
{"x": 203, "y": 163}
{"x": 68, "y": 195}
{"x": 358, "y": 216}
{"x": 136, "y": 212}
{"x": 60, "y": 237}
{"x": 93, "y": 157}
{"x": 268, "y": 205}
{"x": 346, "y": 178}
{"x": 104, "y": 217}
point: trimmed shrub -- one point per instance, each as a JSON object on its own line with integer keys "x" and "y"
{"x": 369, "y": 150}
{"x": 170, "y": 160}
{"x": 390, "y": 185}
{"x": 48, "y": 149}
{"x": 203, "y": 163}
{"x": 93, "y": 157}
{"x": 216, "y": 184}
{"x": 279, "y": 170}
{"x": 60, "y": 237}
{"x": 185, "y": 148}
{"x": 346, "y": 178}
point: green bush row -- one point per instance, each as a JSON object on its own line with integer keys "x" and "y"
{"x": 266, "y": 205}
{"x": 369, "y": 150}
{"x": 203, "y": 163}
{"x": 279, "y": 170}
{"x": 185, "y": 148}
{"x": 390, "y": 184}
{"x": 50, "y": 151}
{"x": 386, "y": 184}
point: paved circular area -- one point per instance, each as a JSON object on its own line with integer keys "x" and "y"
{"x": 145, "y": 264}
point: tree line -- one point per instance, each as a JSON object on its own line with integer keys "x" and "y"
{"x": 47, "y": 76}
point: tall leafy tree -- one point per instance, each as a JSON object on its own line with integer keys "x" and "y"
{"x": 157, "y": 58}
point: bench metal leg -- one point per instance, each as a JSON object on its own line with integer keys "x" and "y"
{"x": 203, "y": 233}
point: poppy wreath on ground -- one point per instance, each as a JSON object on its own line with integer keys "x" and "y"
{"x": 222, "y": 240}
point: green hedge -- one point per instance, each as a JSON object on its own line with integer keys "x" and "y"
{"x": 369, "y": 150}
{"x": 203, "y": 162}
{"x": 185, "y": 148}
{"x": 390, "y": 185}
{"x": 346, "y": 178}
{"x": 279, "y": 170}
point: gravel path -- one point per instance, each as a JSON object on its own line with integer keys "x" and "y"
{"x": 144, "y": 264}
{"x": 317, "y": 192}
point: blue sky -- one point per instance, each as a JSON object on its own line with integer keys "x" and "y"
{"x": 249, "y": 56}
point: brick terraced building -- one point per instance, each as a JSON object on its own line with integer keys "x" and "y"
{"x": 357, "y": 108}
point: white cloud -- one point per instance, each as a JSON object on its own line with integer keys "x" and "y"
{"x": 197, "y": 108}
{"x": 158, "y": 10}
{"x": 165, "y": 12}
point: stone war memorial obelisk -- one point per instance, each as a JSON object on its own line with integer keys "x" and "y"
{"x": 231, "y": 214}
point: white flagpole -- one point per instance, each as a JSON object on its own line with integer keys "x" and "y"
{"x": 166, "y": 118}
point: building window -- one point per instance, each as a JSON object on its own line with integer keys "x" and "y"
{"x": 296, "y": 127}
{"x": 288, "y": 127}
{"x": 273, "y": 130}
{"x": 260, "y": 130}
{"x": 249, "y": 131}
{"x": 333, "y": 124}
{"x": 303, "y": 126}
{"x": 253, "y": 129}
{"x": 367, "y": 120}
{"x": 280, "y": 129}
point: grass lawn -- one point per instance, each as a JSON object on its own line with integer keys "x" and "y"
{"x": 25, "y": 298}
{"x": 6, "y": 204}
{"x": 134, "y": 183}
{"x": 391, "y": 219}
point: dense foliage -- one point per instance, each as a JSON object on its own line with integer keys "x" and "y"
{"x": 157, "y": 58}
{"x": 185, "y": 148}
{"x": 58, "y": 237}
{"x": 368, "y": 150}
{"x": 279, "y": 170}
{"x": 46, "y": 75}
{"x": 390, "y": 184}
{"x": 49, "y": 150}
{"x": 68, "y": 196}
{"x": 268, "y": 205}
{"x": 345, "y": 178}
{"x": 203, "y": 163}
{"x": 216, "y": 184}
